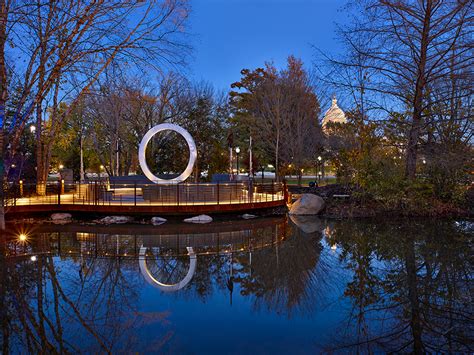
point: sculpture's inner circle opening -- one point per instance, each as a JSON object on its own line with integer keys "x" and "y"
{"x": 167, "y": 154}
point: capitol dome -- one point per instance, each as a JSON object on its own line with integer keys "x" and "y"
{"x": 334, "y": 114}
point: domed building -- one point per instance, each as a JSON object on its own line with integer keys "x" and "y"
{"x": 334, "y": 114}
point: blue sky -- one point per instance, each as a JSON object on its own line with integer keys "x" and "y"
{"x": 229, "y": 35}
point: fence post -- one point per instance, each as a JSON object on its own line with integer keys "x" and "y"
{"x": 135, "y": 193}
{"x": 177, "y": 194}
{"x": 96, "y": 194}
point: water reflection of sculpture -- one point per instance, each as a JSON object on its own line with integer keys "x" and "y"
{"x": 151, "y": 279}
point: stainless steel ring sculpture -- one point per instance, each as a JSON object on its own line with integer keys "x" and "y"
{"x": 146, "y": 140}
{"x": 162, "y": 286}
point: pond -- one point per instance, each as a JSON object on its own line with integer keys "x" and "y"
{"x": 268, "y": 285}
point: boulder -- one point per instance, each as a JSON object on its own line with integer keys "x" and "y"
{"x": 199, "y": 219}
{"x": 61, "y": 218}
{"x": 307, "y": 204}
{"x": 156, "y": 221}
{"x": 308, "y": 224}
{"x": 115, "y": 220}
{"x": 248, "y": 216}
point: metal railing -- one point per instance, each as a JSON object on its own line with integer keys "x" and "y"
{"x": 104, "y": 193}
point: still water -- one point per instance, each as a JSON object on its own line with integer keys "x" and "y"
{"x": 269, "y": 285}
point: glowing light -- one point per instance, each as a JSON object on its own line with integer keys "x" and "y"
{"x": 319, "y": 158}
{"x": 33, "y": 258}
{"x": 334, "y": 247}
{"x": 61, "y": 166}
{"x": 22, "y": 237}
{"x": 32, "y": 129}
{"x": 101, "y": 167}
{"x": 237, "y": 150}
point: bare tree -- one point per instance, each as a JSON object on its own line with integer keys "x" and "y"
{"x": 405, "y": 48}
{"x": 67, "y": 46}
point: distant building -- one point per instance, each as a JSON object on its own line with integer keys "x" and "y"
{"x": 334, "y": 114}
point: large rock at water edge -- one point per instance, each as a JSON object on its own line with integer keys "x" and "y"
{"x": 61, "y": 218}
{"x": 307, "y": 204}
{"x": 199, "y": 219}
{"x": 156, "y": 221}
{"x": 116, "y": 220}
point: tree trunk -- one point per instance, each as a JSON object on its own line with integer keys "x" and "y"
{"x": 2, "y": 154}
{"x": 3, "y": 100}
{"x": 277, "y": 153}
{"x": 82, "y": 177}
{"x": 415, "y": 129}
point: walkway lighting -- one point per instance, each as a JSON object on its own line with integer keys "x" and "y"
{"x": 237, "y": 151}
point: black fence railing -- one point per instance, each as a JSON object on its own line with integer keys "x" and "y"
{"x": 105, "y": 193}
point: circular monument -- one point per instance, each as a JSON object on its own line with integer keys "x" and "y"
{"x": 192, "y": 153}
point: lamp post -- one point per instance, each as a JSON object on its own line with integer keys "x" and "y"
{"x": 318, "y": 167}
{"x": 237, "y": 152}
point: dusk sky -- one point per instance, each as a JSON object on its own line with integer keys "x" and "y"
{"x": 230, "y": 35}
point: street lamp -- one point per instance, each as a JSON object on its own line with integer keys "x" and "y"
{"x": 237, "y": 151}
{"x": 32, "y": 128}
{"x": 61, "y": 166}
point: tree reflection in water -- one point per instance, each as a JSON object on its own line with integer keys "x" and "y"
{"x": 408, "y": 284}
{"x": 412, "y": 286}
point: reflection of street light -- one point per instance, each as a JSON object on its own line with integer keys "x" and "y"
{"x": 237, "y": 151}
